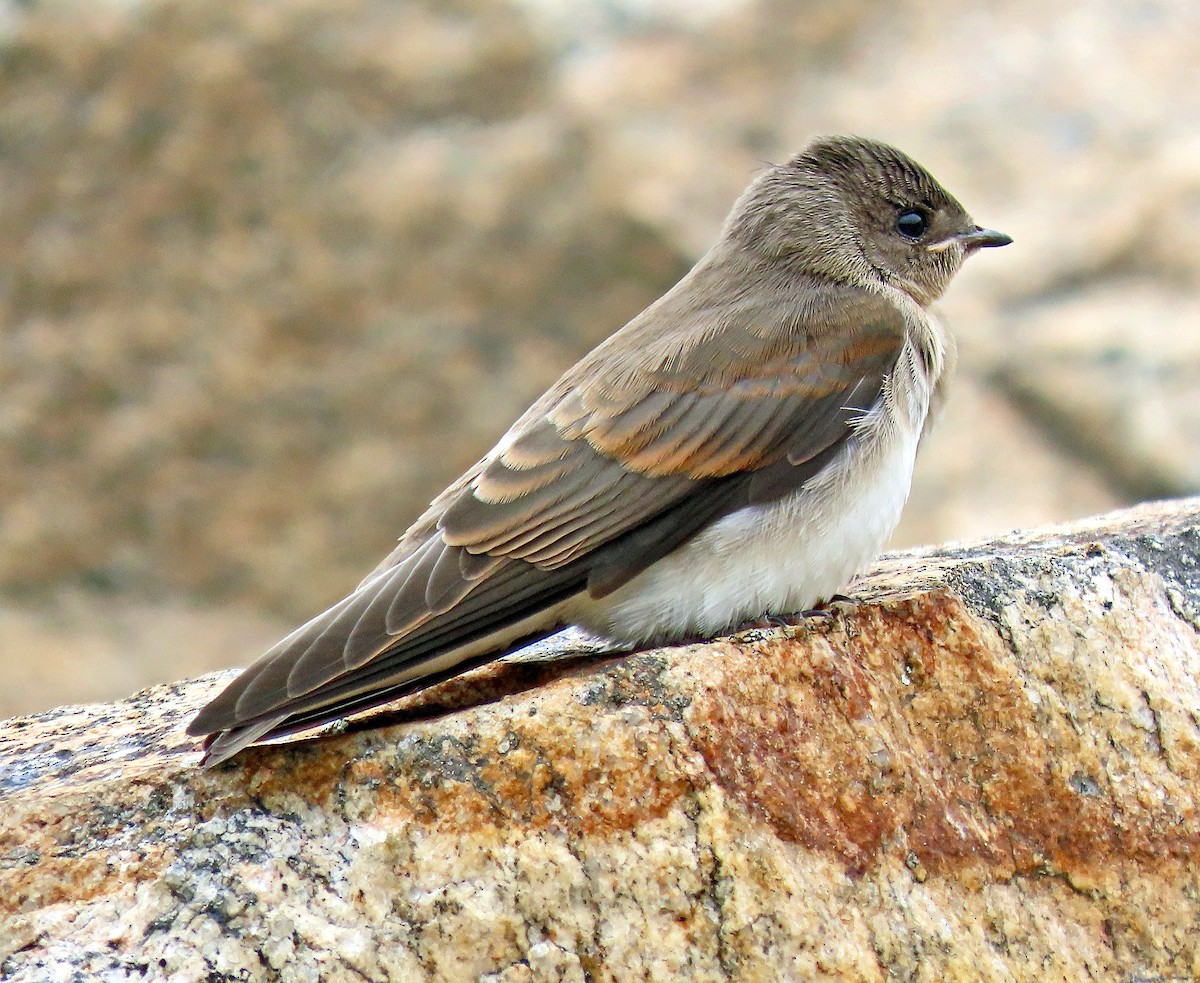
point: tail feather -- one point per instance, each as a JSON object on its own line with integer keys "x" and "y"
{"x": 517, "y": 601}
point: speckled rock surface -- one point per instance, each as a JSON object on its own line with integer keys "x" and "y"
{"x": 988, "y": 770}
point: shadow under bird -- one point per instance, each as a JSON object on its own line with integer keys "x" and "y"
{"x": 743, "y": 447}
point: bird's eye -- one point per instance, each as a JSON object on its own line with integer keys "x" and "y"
{"x": 912, "y": 224}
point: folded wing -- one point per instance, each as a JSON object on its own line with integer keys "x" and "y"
{"x": 618, "y": 464}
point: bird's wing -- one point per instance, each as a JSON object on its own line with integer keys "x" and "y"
{"x": 614, "y": 467}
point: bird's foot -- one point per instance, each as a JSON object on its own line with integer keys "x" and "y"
{"x": 838, "y": 605}
{"x": 767, "y": 622}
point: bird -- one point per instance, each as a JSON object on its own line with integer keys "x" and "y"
{"x": 741, "y": 448}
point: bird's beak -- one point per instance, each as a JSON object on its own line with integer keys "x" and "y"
{"x": 977, "y": 238}
{"x": 983, "y": 237}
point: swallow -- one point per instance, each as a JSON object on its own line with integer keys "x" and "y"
{"x": 743, "y": 447}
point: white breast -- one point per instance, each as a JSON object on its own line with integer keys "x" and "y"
{"x": 779, "y": 558}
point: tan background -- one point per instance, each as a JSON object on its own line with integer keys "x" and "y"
{"x": 272, "y": 273}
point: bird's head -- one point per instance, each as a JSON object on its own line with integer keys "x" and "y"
{"x": 860, "y": 211}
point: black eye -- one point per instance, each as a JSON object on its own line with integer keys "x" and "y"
{"x": 912, "y": 224}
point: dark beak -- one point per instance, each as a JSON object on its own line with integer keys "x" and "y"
{"x": 983, "y": 237}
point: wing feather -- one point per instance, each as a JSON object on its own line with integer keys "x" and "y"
{"x": 623, "y": 460}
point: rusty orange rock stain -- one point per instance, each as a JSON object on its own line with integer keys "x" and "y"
{"x": 904, "y": 728}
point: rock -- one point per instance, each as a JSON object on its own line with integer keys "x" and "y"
{"x": 987, "y": 770}
{"x": 1111, "y": 371}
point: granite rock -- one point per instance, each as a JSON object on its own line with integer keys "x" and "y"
{"x": 986, "y": 770}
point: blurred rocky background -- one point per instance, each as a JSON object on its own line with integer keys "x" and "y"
{"x": 271, "y": 273}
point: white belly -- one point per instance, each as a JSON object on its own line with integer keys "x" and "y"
{"x": 774, "y": 559}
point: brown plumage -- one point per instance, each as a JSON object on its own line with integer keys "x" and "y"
{"x": 767, "y": 385}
